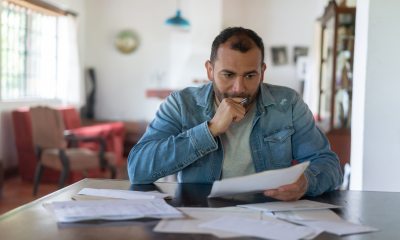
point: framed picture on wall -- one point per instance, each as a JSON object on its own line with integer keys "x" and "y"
{"x": 279, "y": 55}
{"x": 299, "y": 51}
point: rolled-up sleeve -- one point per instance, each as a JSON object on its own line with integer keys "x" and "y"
{"x": 166, "y": 148}
{"x": 310, "y": 144}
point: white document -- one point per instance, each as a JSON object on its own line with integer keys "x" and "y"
{"x": 324, "y": 214}
{"x": 259, "y": 181}
{"x": 197, "y": 216}
{"x": 121, "y": 194}
{"x": 267, "y": 228}
{"x": 73, "y": 211}
{"x": 289, "y": 206}
{"x": 340, "y": 227}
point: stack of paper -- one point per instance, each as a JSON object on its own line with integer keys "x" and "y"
{"x": 74, "y": 211}
{"x": 93, "y": 193}
{"x": 302, "y": 219}
{"x": 198, "y": 216}
{"x": 313, "y": 214}
{"x": 266, "y": 228}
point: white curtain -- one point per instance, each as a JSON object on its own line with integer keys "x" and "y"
{"x": 69, "y": 84}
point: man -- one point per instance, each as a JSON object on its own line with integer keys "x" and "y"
{"x": 235, "y": 125}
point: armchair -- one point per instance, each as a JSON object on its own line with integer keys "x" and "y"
{"x": 51, "y": 148}
{"x": 113, "y": 133}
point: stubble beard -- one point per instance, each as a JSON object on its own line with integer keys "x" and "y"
{"x": 220, "y": 96}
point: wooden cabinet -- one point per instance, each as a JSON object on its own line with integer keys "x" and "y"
{"x": 336, "y": 76}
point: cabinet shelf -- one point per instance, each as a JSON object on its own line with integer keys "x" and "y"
{"x": 335, "y": 82}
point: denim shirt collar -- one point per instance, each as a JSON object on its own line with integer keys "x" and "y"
{"x": 265, "y": 98}
{"x": 205, "y": 99}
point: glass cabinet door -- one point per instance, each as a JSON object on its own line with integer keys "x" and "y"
{"x": 344, "y": 68}
{"x": 327, "y": 60}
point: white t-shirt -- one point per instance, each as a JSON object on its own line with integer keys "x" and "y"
{"x": 236, "y": 144}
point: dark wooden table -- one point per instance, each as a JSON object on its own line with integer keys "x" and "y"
{"x": 33, "y": 221}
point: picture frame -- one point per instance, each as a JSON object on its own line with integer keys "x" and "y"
{"x": 279, "y": 55}
{"x": 299, "y": 51}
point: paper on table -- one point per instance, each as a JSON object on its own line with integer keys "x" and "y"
{"x": 323, "y": 214}
{"x": 121, "y": 194}
{"x": 259, "y": 181}
{"x": 74, "y": 211}
{"x": 340, "y": 227}
{"x": 289, "y": 206}
{"x": 269, "y": 228}
{"x": 202, "y": 215}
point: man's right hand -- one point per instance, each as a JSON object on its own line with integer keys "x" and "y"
{"x": 229, "y": 110}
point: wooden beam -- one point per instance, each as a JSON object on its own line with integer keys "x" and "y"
{"x": 43, "y": 7}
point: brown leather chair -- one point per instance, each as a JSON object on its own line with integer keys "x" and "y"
{"x": 51, "y": 146}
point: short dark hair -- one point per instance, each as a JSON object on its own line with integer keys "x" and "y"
{"x": 242, "y": 43}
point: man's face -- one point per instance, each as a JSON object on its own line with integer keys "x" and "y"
{"x": 236, "y": 74}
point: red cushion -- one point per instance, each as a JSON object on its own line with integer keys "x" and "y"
{"x": 112, "y": 132}
{"x": 71, "y": 117}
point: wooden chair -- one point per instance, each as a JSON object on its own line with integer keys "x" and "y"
{"x": 52, "y": 151}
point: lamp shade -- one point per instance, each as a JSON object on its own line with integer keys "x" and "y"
{"x": 178, "y": 21}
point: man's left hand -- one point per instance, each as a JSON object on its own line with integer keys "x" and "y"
{"x": 290, "y": 192}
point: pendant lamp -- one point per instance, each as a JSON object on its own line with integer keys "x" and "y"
{"x": 178, "y": 21}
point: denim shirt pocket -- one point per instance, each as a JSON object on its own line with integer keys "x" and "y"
{"x": 279, "y": 145}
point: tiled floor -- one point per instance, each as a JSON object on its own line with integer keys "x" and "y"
{"x": 17, "y": 192}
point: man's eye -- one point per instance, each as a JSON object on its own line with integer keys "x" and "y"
{"x": 228, "y": 75}
{"x": 250, "y": 76}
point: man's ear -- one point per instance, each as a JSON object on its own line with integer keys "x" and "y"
{"x": 263, "y": 68}
{"x": 210, "y": 70}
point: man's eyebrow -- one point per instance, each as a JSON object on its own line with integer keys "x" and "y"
{"x": 227, "y": 71}
{"x": 245, "y": 73}
{"x": 251, "y": 72}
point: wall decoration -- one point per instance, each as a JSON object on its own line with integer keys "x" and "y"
{"x": 299, "y": 51}
{"x": 127, "y": 41}
{"x": 279, "y": 55}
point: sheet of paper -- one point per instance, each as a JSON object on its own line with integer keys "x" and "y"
{"x": 340, "y": 227}
{"x": 197, "y": 216}
{"x": 289, "y": 206}
{"x": 121, "y": 194}
{"x": 324, "y": 214}
{"x": 258, "y": 182}
{"x": 73, "y": 211}
{"x": 268, "y": 229}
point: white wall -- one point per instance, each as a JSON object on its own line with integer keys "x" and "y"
{"x": 180, "y": 56}
{"x": 376, "y": 130}
{"x": 177, "y": 56}
{"x": 280, "y": 23}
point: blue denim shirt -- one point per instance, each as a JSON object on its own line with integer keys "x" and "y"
{"x": 178, "y": 140}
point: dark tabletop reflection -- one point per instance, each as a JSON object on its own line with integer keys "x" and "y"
{"x": 144, "y": 187}
{"x": 195, "y": 195}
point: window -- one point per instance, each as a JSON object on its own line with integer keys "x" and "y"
{"x": 28, "y": 53}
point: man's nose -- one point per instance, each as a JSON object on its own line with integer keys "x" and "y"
{"x": 238, "y": 85}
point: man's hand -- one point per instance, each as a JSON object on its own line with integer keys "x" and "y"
{"x": 229, "y": 110}
{"x": 290, "y": 192}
